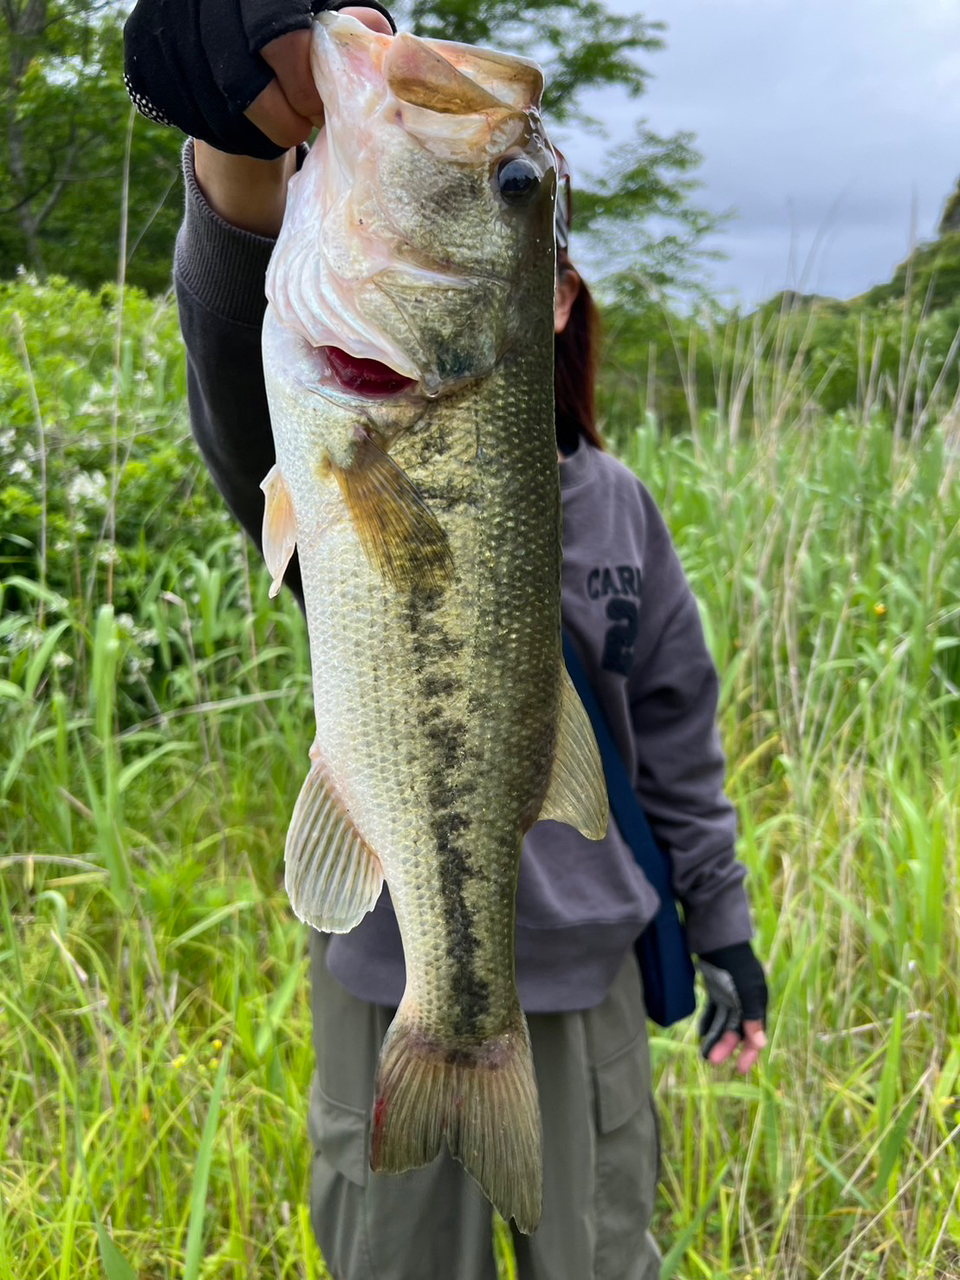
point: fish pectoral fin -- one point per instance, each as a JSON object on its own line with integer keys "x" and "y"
{"x": 399, "y": 533}
{"x": 332, "y": 877}
{"x": 577, "y": 793}
{"x": 279, "y": 526}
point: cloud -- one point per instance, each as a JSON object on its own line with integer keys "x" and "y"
{"x": 821, "y": 121}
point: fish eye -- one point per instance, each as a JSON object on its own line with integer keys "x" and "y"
{"x": 517, "y": 179}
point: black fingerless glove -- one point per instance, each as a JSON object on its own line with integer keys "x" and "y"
{"x": 736, "y": 992}
{"x": 196, "y": 64}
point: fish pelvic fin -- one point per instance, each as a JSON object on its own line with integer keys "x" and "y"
{"x": 332, "y": 877}
{"x": 577, "y": 793}
{"x": 279, "y": 526}
{"x": 481, "y": 1098}
{"x": 399, "y": 533}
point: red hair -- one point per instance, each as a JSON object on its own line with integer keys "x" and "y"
{"x": 575, "y": 369}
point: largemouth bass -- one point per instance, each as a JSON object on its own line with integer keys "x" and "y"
{"x": 408, "y": 354}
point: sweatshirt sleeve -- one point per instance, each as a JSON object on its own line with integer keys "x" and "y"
{"x": 681, "y": 768}
{"x": 219, "y": 273}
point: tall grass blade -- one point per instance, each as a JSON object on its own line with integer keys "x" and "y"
{"x": 115, "y": 1265}
{"x": 201, "y": 1176}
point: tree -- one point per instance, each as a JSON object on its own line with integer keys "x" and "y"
{"x": 35, "y": 181}
{"x": 64, "y": 118}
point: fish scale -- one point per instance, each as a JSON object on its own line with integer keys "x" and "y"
{"x": 427, "y": 524}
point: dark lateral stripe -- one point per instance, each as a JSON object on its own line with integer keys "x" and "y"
{"x": 446, "y": 734}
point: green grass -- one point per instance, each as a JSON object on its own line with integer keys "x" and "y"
{"x": 154, "y": 1026}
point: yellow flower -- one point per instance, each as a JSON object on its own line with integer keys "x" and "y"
{"x": 879, "y": 608}
{"x": 218, "y": 1045}
{"x": 178, "y": 1062}
{"x": 214, "y": 1063}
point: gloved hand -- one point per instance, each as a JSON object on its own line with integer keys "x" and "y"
{"x": 736, "y": 1005}
{"x": 199, "y": 65}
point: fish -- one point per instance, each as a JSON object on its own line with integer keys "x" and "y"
{"x": 408, "y": 360}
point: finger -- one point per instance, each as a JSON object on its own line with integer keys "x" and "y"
{"x": 369, "y": 17}
{"x": 748, "y": 1058}
{"x": 754, "y": 1034}
{"x": 754, "y": 1042}
{"x": 722, "y": 1050}
{"x": 273, "y": 116}
{"x": 289, "y": 58}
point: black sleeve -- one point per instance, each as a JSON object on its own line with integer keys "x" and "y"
{"x": 219, "y": 275}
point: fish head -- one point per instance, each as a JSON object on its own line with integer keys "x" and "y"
{"x": 418, "y": 237}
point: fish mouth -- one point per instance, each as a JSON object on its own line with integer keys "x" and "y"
{"x": 364, "y": 377}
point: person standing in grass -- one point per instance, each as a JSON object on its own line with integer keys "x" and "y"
{"x": 234, "y": 74}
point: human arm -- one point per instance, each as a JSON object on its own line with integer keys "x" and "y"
{"x": 249, "y": 194}
{"x": 234, "y": 207}
{"x": 680, "y": 782}
{"x": 219, "y": 274}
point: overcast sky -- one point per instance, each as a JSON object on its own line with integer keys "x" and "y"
{"x": 830, "y": 127}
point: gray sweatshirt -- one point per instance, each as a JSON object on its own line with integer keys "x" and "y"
{"x": 631, "y": 615}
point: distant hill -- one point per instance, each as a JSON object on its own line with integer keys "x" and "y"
{"x": 951, "y": 213}
{"x": 930, "y": 274}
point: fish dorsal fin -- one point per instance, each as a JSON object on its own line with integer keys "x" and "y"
{"x": 577, "y": 793}
{"x": 332, "y": 877}
{"x": 425, "y": 78}
{"x": 279, "y": 526}
{"x": 399, "y": 533}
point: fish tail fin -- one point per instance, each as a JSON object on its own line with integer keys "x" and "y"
{"x": 482, "y": 1098}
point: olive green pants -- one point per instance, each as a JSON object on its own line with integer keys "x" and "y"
{"x": 600, "y": 1152}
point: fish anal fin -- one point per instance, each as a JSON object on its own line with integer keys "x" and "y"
{"x": 279, "y": 526}
{"x": 332, "y": 877}
{"x": 481, "y": 1098}
{"x": 401, "y": 536}
{"x": 577, "y": 793}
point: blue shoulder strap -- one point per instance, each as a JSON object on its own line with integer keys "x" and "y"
{"x": 624, "y": 804}
{"x": 664, "y": 957}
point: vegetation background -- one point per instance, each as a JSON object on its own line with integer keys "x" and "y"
{"x": 155, "y": 713}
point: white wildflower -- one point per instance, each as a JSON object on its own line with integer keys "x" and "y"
{"x": 89, "y": 488}
{"x": 61, "y": 660}
{"x": 24, "y": 638}
{"x": 20, "y": 468}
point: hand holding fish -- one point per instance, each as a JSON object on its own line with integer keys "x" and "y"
{"x": 234, "y": 74}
